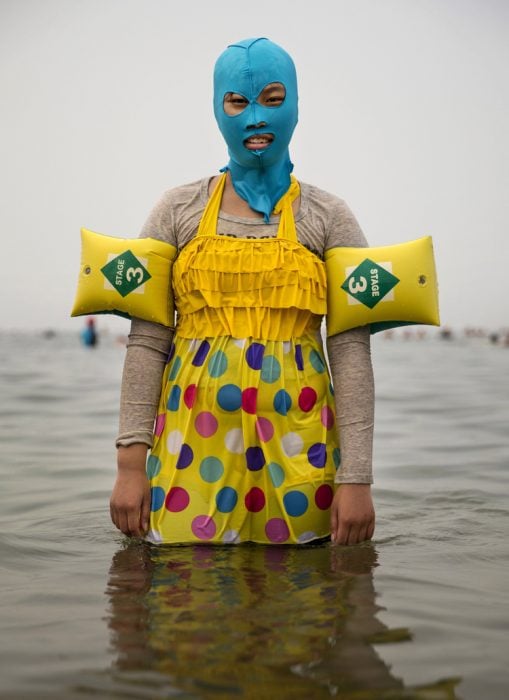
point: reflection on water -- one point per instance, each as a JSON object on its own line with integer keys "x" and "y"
{"x": 252, "y": 622}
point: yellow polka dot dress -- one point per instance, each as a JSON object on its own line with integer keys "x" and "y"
{"x": 245, "y": 445}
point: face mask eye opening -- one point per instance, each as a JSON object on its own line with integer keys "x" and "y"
{"x": 273, "y": 95}
{"x": 234, "y": 103}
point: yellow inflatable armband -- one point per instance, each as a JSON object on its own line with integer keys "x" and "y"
{"x": 127, "y": 277}
{"x": 381, "y": 287}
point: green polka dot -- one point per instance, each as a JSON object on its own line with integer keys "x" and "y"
{"x": 317, "y": 361}
{"x": 177, "y": 363}
{"x": 271, "y": 369}
{"x": 218, "y": 364}
{"x": 336, "y": 456}
{"x": 276, "y": 473}
{"x": 153, "y": 466}
{"x": 211, "y": 469}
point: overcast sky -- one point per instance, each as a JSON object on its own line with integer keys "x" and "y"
{"x": 404, "y": 106}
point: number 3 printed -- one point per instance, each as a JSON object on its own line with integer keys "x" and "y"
{"x": 357, "y": 287}
{"x": 132, "y": 272}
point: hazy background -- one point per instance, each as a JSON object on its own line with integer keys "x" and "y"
{"x": 107, "y": 103}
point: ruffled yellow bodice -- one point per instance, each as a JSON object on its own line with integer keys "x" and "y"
{"x": 270, "y": 288}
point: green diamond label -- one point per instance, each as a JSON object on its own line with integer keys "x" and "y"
{"x": 125, "y": 273}
{"x": 369, "y": 283}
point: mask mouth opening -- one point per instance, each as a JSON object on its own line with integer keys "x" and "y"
{"x": 259, "y": 142}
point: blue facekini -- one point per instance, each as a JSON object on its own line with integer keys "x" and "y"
{"x": 246, "y": 68}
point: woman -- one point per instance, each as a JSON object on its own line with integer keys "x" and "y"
{"x": 245, "y": 445}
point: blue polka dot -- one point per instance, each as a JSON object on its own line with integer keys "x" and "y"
{"x": 211, "y": 469}
{"x": 186, "y": 456}
{"x": 317, "y": 454}
{"x": 299, "y": 360}
{"x": 153, "y": 466}
{"x": 254, "y": 355}
{"x": 276, "y": 474}
{"x": 282, "y": 402}
{"x": 271, "y": 369}
{"x": 226, "y": 499}
{"x": 255, "y": 458}
{"x": 218, "y": 364}
{"x": 174, "y": 398}
{"x": 229, "y": 397}
{"x": 295, "y": 503}
{"x": 317, "y": 361}
{"x": 157, "y": 496}
{"x": 336, "y": 456}
{"x": 201, "y": 353}
{"x": 177, "y": 364}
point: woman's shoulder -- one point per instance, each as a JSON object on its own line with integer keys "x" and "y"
{"x": 195, "y": 191}
{"x": 317, "y": 197}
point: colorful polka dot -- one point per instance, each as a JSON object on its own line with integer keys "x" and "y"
{"x": 203, "y": 527}
{"x": 295, "y": 503}
{"x": 226, "y": 499}
{"x": 317, "y": 361}
{"x": 174, "y": 442}
{"x": 317, "y": 454}
{"x": 254, "y": 355}
{"x": 177, "y": 499}
{"x": 307, "y": 399}
{"x": 327, "y": 417}
{"x": 249, "y": 396}
{"x": 287, "y": 346}
{"x": 234, "y": 441}
{"x": 264, "y": 429}
{"x": 282, "y": 402}
{"x": 229, "y": 397}
{"x": 159, "y": 424}
{"x": 231, "y": 537}
{"x": 157, "y": 496}
{"x": 323, "y": 496}
{"x": 277, "y": 530}
{"x": 190, "y": 395}
{"x": 254, "y": 500}
{"x": 307, "y": 536}
{"x": 211, "y": 469}
{"x": 205, "y": 424}
{"x": 255, "y": 458}
{"x": 299, "y": 360}
{"x": 153, "y": 466}
{"x": 177, "y": 364}
{"x": 336, "y": 457}
{"x": 218, "y": 364}
{"x": 271, "y": 369}
{"x": 276, "y": 474}
{"x": 174, "y": 398}
{"x": 292, "y": 444}
{"x": 201, "y": 353}
{"x": 186, "y": 456}
{"x": 171, "y": 353}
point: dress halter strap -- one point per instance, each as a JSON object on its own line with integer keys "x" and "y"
{"x": 286, "y": 228}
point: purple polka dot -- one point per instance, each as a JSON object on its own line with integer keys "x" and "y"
{"x": 254, "y": 500}
{"x": 177, "y": 499}
{"x": 323, "y": 496}
{"x": 190, "y": 395}
{"x": 254, "y": 355}
{"x": 201, "y": 354}
{"x": 327, "y": 417}
{"x": 205, "y": 424}
{"x": 185, "y": 457}
{"x": 255, "y": 458}
{"x": 249, "y": 399}
{"x": 299, "y": 360}
{"x": 265, "y": 429}
{"x": 307, "y": 399}
{"x": 170, "y": 353}
{"x": 277, "y": 530}
{"x": 203, "y": 527}
{"x": 317, "y": 454}
{"x": 159, "y": 426}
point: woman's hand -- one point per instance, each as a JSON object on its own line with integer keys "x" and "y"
{"x": 352, "y": 514}
{"x": 130, "y": 499}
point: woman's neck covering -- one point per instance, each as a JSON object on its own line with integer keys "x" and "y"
{"x": 247, "y": 67}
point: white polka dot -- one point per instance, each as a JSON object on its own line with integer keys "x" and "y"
{"x": 231, "y": 537}
{"x": 287, "y": 346}
{"x": 234, "y": 441}
{"x": 174, "y": 442}
{"x": 154, "y": 536}
{"x": 292, "y": 444}
{"x": 239, "y": 342}
{"x": 307, "y": 537}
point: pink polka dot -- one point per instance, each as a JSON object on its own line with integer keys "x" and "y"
{"x": 190, "y": 395}
{"x": 277, "y": 530}
{"x": 327, "y": 417}
{"x": 323, "y": 496}
{"x": 249, "y": 399}
{"x": 159, "y": 426}
{"x": 265, "y": 429}
{"x": 307, "y": 399}
{"x": 177, "y": 499}
{"x": 203, "y": 527}
{"x": 254, "y": 500}
{"x": 205, "y": 424}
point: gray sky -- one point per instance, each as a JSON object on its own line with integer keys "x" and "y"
{"x": 105, "y": 104}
